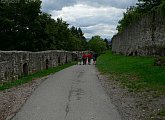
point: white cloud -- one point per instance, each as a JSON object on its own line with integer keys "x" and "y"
{"x": 95, "y": 17}
{"x": 93, "y": 20}
{"x": 48, "y": 5}
{"x": 104, "y": 30}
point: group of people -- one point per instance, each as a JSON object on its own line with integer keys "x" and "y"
{"x": 86, "y": 57}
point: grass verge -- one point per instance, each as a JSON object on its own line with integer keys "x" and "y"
{"x": 134, "y": 72}
{"x": 162, "y": 112}
{"x": 33, "y": 76}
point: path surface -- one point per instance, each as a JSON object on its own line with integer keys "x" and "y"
{"x": 71, "y": 94}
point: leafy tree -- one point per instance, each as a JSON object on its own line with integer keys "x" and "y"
{"x": 131, "y": 15}
{"x": 107, "y": 43}
{"x": 97, "y": 44}
{"x": 24, "y": 27}
{"x": 15, "y": 21}
{"x": 77, "y": 32}
{"x": 83, "y": 39}
{"x": 146, "y": 5}
{"x": 135, "y": 13}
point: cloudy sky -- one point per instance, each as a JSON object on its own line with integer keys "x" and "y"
{"x": 95, "y": 17}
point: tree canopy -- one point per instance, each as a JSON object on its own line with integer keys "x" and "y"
{"x": 23, "y": 26}
{"x": 97, "y": 44}
{"x": 135, "y": 13}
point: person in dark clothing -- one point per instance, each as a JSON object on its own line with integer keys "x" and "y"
{"x": 95, "y": 55}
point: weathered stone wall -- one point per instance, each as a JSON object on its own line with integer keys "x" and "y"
{"x": 146, "y": 37}
{"x": 14, "y": 64}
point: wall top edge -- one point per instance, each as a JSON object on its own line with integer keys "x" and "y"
{"x": 48, "y": 51}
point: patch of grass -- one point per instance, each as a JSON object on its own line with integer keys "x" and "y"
{"x": 33, "y": 76}
{"x": 134, "y": 72}
{"x": 162, "y": 112}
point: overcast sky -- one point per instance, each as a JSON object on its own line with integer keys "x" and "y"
{"x": 95, "y": 17}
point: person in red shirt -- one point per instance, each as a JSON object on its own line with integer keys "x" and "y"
{"x": 89, "y": 58}
{"x": 84, "y": 57}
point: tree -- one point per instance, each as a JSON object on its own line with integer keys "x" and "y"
{"x": 77, "y": 32}
{"x": 107, "y": 43}
{"x": 16, "y": 19}
{"x": 133, "y": 13}
{"x": 24, "y": 27}
{"x": 146, "y": 5}
{"x": 97, "y": 44}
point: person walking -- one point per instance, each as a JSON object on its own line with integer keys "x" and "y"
{"x": 89, "y": 58}
{"x": 80, "y": 58}
{"x": 84, "y": 57}
{"x": 95, "y": 55}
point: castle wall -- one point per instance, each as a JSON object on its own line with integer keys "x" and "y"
{"x": 145, "y": 37}
{"x": 14, "y": 64}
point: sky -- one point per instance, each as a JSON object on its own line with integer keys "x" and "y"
{"x": 94, "y": 17}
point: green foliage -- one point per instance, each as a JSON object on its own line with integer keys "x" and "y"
{"x": 145, "y": 5}
{"x": 107, "y": 43}
{"x": 129, "y": 17}
{"x": 133, "y": 13}
{"x": 80, "y": 42}
{"x": 135, "y": 73}
{"x": 162, "y": 112}
{"x": 33, "y": 76}
{"x": 24, "y": 27}
{"x": 162, "y": 7}
{"x": 97, "y": 44}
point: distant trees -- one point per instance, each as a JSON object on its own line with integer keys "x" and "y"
{"x": 81, "y": 43}
{"x": 107, "y": 43}
{"x": 97, "y": 44}
{"x": 135, "y": 13}
{"x": 24, "y": 27}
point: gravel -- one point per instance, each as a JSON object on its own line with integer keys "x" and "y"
{"x": 133, "y": 105}
{"x": 11, "y": 100}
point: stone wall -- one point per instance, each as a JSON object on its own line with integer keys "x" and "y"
{"x": 14, "y": 64}
{"x": 145, "y": 37}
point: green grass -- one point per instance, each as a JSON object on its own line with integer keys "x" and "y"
{"x": 134, "y": 72}
{"x": 162, "y": 112}
{"x": 33, "y": 76}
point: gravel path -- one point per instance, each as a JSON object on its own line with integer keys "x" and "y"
{"x": 131, "y": 106}
{"x": 71, "y": 94}
{"x": 11, "y": 100}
